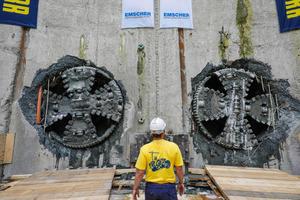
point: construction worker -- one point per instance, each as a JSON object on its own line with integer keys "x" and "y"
{"x": 159, "y": 157}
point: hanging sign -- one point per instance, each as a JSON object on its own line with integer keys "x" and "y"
{"x": 137, "y": 13}
{"x": 176, "y": 14}
{"x": 288, "y": 14}
{"x": 19, "y": 12}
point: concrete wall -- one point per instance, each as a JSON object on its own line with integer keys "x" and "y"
{"x": 91, "y": 29}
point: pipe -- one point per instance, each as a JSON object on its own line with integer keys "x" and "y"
{"x": 47, "y": 104}
{"x": 38, "y": 109}
{"x": 183, "y": 79}
{"x": 20, "y": 72}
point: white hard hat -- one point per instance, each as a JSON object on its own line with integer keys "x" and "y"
{"x": 157, "y": 126}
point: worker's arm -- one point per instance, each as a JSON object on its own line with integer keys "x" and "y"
{"x": 139, "y": 175}
{"x": 180, "y": 175}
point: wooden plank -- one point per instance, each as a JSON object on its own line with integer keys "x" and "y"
{"x": 242, "y": 169}
{"x": 215, "y": 189}
{"x": 65, "y": 184}
{"x": 258, "y": 182}
{"x": 6, "y": 148}
{"x": 252, "y": 198}
{"x": 198, "y": 184}
{"x": 9, "y": 148}
{"x": 235, "y": 168}
{"x": 55, "y": 197}
{"x": 254, "y": 182}
{"x": 20, "y": 177}
{"x": 54, "y": 183}
{"x": 260, "y": 189}
{"x": 123, "y": 171}
{"x": 104, "y": 197}
{"x": 56, "y": 188}
{"x": 254, "y": 174}
{"x": 269, "y": 195}
{"x": 99, "y": 179}
{"x": 41, "y": 177}
{"x": 197, "y": 171}
{"x": 207, "y": 169}
{"x": 2, "y": 147}
{"x": 58, "y": 193}
{"x": 10, "y": 184}
{"x": 199, "y": 177}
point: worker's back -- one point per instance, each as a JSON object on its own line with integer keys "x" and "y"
{"x": 159, "y": 157}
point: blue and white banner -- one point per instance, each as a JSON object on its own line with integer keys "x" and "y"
{"x": 288, "y": 14}
{"x": 137, "y": 13}
{"x": 19, "y": 12}
{"x": 176, "y": 14}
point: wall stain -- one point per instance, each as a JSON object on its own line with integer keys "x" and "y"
{"x": 296, "y": 41}
{"x": 122, "y": 50}
{"x": 141, "y": 60}
{"x": 296, "y": 50}
{"x": 141, "y": 79}
{"x": 223, "y": 43}
{"x": 82, "y": 47}
{"x": 244, "y": 17}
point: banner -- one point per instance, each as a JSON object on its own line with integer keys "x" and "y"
{"x": 19, "y": 12}
{"x": 176, "y": 14}
{"x": 137, "y": 13}
{"x": 288, "y": 14}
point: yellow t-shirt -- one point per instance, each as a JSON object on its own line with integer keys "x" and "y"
{"x": 159, "y": 157}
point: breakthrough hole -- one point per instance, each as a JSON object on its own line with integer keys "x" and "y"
{"x": 215, "y": 84}
{"x": 254, "y": 90}
{"x": 60, "y": 126}
{"x": 257, "y": 128}
{"x": 57, "y": 86}
{"x": 101, "y": 124}
{"x": 99, "y": 82}
{"x": 215, "y": 127}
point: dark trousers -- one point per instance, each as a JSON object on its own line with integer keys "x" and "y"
{"x": 155, "y": 191}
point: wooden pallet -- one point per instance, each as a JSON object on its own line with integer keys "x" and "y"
{"x": 74, "y": 184}
{"x": 246, "y": 183}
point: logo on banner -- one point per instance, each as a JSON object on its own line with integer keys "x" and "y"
{"x": 18, "y": 6}
{"x": 177, "y": 15}
{"x": 137, "y": 14}
{"x": 19, "y": 12}
{"x": 288, "y": 14}
{"x": 292, "y": 8}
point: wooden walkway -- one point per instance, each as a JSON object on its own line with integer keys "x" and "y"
{"x": 246, "y": 183}
{"x": 79, "y": 184}
{"x": 231, "y": 183}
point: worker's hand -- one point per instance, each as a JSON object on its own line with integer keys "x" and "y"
{"x": 134, "y": 193}
{"x": 180, "y": 188}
